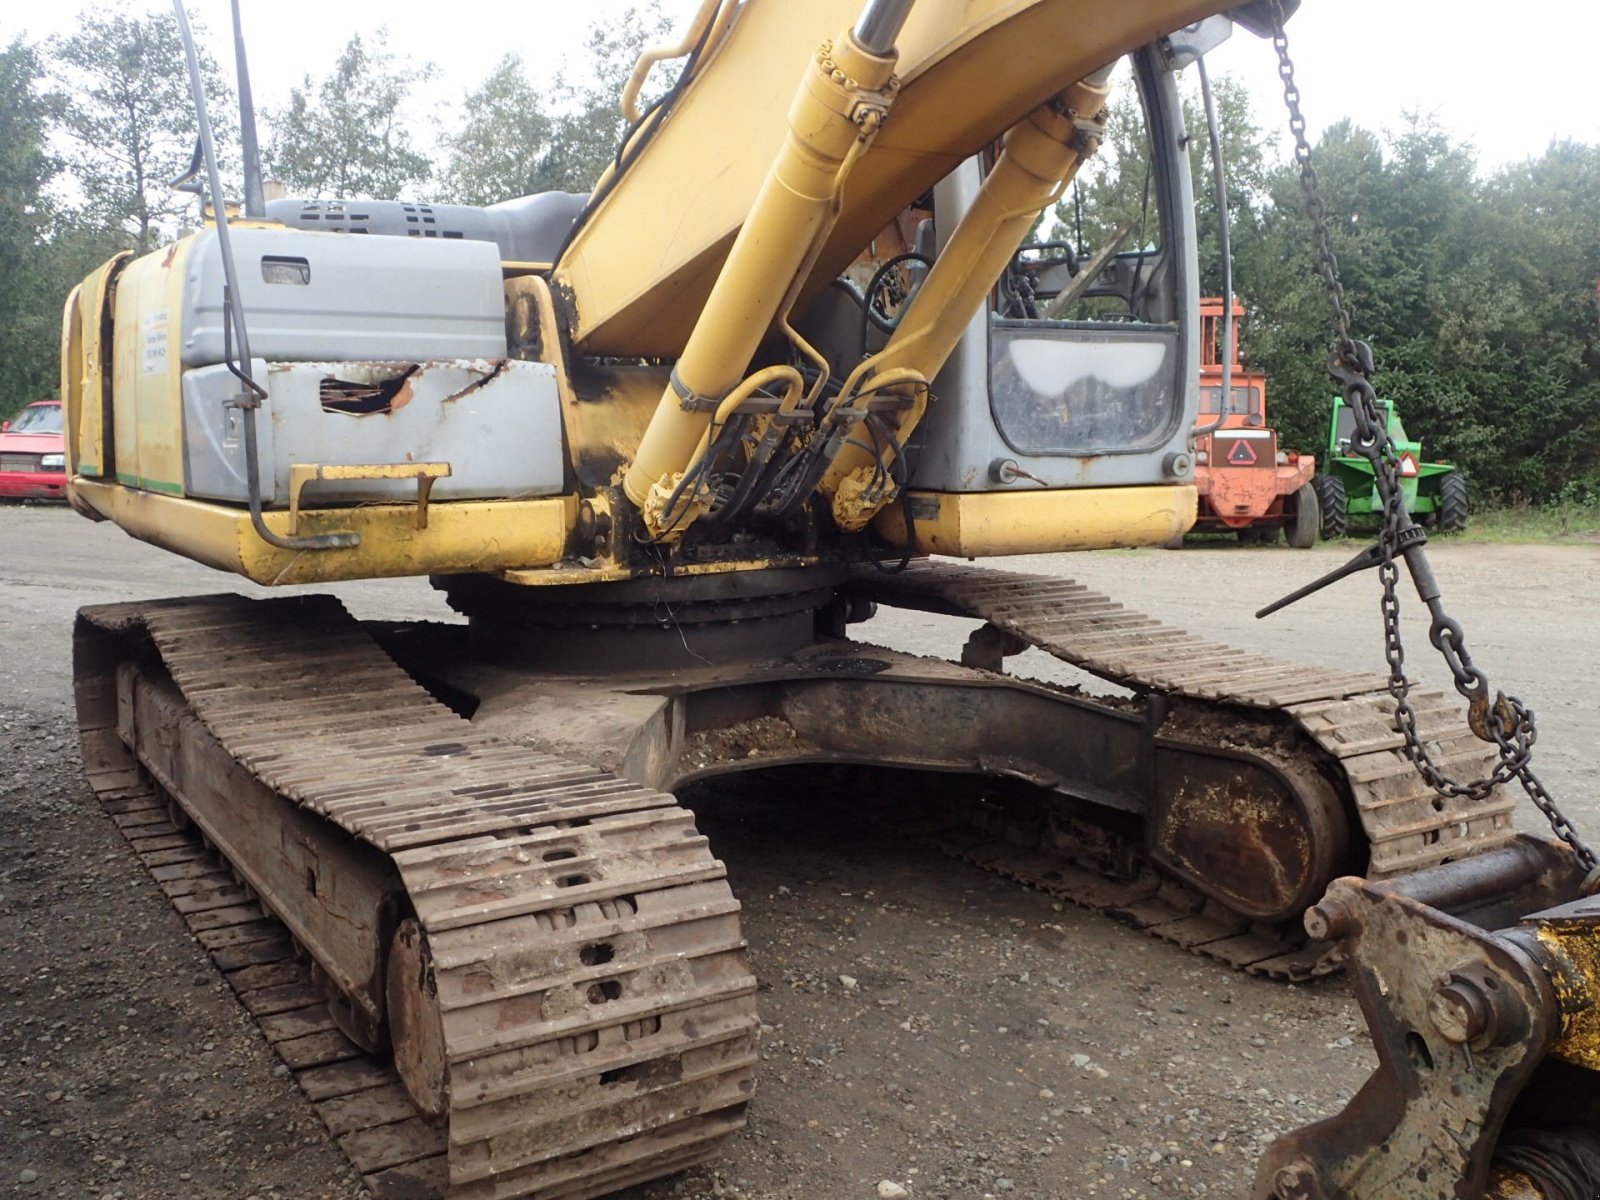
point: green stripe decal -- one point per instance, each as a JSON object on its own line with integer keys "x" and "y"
{"x": 150, "y": 485}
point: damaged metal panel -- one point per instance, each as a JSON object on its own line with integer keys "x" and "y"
{"x": 497, "y": 422}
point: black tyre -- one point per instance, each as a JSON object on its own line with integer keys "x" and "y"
{"x": 1305, "y": 522}
{"x": 1452, "y": 508}
{"x": 1334, "y": 507}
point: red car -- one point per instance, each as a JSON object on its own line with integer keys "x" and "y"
{"x": 33, "y": 454}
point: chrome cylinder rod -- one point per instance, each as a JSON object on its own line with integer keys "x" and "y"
{"x": 880, "y": 24}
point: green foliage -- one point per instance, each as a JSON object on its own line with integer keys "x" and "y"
{"x": 1477, "y": 296}
{"x": 129, "y": 120}
{"x": 501, "y": 148}
{"x": 347, "y": 137}
{"x": 26, "y": 168}
{"x": 1244, "y": 156}
{"x": 517, "y": 139}
{"x": 1563, "y": 517}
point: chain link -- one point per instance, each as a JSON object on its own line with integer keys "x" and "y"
{"x": 1505, "y": 721}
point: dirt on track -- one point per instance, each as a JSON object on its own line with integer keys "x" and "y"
{"x": 924, "y": 1023}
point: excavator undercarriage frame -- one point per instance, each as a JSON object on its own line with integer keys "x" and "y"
{"x": 443, "y": 870}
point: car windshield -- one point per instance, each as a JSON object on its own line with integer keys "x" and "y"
{"x": 38, "y": 418}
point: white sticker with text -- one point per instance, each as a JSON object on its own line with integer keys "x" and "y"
{"x": 153, "y": 344}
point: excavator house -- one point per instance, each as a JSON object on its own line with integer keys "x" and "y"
{"x": 662, "y": 449}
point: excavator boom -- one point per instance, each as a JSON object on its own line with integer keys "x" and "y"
{"x": 642, "y": 262}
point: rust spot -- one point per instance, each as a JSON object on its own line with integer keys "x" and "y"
{"x": 370, "y": 391}
{"x": 477, "y": 383}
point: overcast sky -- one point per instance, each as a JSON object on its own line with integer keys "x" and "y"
{"x": 1508, "y": 86}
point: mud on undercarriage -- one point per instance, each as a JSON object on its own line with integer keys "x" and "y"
{"x": 547, "y": 950}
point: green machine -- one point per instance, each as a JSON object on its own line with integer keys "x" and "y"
{"x": 1435, "y": 492}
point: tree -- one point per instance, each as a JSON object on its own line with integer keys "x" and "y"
{"x": 1520, "y": 328}
{"x": 1246, "y": 166}
{"x": 1275, "y": 271}
{"x": 347, "y": 137}
{"x": 514, "y": 142}
{"x": 501, "y": 150}
{"x": 590, "y": 124}
{"x": 27, "y": 364}
{"x": 130, "y": 121}
{"x": 1476, "y": 295}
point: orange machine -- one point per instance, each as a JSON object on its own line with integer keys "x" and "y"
{"x": 1246, "y": 483}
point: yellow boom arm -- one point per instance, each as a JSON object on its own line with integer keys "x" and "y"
{"x": 732, "y": 247}
{"x": 638, "y": 275}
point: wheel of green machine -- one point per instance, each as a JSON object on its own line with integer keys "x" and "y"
{"x": 1306, "y": 519}
{"x": 1452, "y": 504}
{"x": 1335, "y": 508}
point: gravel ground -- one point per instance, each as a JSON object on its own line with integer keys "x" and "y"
{"x": 927, "y": 1026}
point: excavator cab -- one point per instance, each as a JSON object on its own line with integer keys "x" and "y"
{"x": 1081, "y": 378}
{"x": 1063, "y": 410}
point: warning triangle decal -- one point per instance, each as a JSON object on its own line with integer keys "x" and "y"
{"x": 1243, "y": 454}
{"x": 1408, "y": 465}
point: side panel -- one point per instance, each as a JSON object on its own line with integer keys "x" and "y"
{"x": 84, "y": 358}
{"x": 147, "y": 398}
{"x": 314, "y": 297}
{"x": 498, "y": 425}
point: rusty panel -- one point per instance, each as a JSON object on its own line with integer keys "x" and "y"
{"x": 1426, "y": 1122}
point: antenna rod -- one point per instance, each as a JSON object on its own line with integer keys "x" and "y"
{"x": 255, "y": 202}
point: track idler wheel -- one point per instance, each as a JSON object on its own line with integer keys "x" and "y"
{"x": 415, "y": 1027}
{"x": 1263, "y": 838}
{"x": 356, "y": 1022}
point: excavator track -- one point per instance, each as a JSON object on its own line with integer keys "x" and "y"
{"x": 570, "y": 1003}
{"x": 582, "y": 1016}
{"x": 1341, "y": 719}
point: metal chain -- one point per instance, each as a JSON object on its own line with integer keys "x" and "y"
{"x": 1506, "y": 722}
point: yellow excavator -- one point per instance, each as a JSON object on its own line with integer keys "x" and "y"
{"x": 662, "y": 445}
